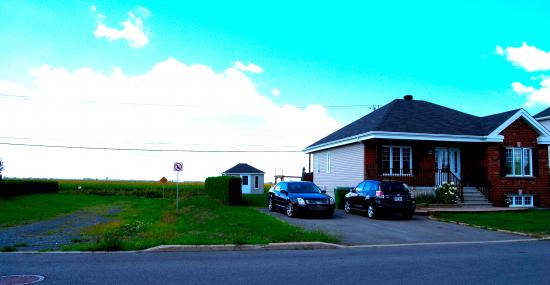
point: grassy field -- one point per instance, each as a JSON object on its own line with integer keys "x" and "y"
{"x": 201, "y": 221}
{"x": 132, "y": 188}
{"x": 28, "y": 208}
{"x": 146, "y": 221}
{"x": 533, "y": 222}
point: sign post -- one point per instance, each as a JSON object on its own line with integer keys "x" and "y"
{"x": 163, "y": 180}
{"x": 178, "y": 167}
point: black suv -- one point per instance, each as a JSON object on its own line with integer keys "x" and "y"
{"x": 374, "y": 197}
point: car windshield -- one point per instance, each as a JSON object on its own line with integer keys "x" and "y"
{"x": 303, "y": 188}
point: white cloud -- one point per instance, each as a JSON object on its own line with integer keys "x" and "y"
{"x": 251, "y": 67}
{"x": 527, "y": 57}
{"x": 133, "y": 29}
{"x": 534, "y": 95}
{"x": 520, "y": 88}
{"x": 172, "y": 106}
{"x": 276, "y": 92}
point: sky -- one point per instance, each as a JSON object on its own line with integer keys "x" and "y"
{"x": 167, "y": 81}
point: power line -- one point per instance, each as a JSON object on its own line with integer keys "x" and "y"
{"x": 336, "y": 107}
{"x": 149, "y": 149}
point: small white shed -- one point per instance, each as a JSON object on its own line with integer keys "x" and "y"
{"x": 251, "y": 177}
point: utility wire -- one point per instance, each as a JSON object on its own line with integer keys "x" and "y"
{"x": 354, "y": 106}
{"x": 148, "y": 149}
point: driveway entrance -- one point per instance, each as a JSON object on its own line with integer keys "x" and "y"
{"x": 354, "y": 229}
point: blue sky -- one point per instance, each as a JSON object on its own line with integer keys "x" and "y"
{"x": 325, "y": 53}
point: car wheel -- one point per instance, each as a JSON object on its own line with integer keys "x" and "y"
{"x": 347, "y": 207}
{"x": 290, "y": 210}
{"x": 270, "y": 205}
{"x": 371, "y": 212}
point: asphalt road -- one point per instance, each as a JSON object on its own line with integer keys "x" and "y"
{"x": 490, "y": 263}
{"x": 354, "y": 229}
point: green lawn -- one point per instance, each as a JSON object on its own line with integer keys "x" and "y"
{"x": 533, "y": 222}
{"x": 28, "y": 208}
{"x": 147, "y": 222}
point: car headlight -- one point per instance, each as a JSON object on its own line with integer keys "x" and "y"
{"x": 331, "y": 201}
{"x": 301, "y": 201}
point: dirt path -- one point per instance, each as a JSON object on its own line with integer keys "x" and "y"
{"x": 52, "y": 234}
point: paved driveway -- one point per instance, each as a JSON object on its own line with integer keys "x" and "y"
{"x": 355, "y": 229}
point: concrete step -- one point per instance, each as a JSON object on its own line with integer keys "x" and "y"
{"x": 474, "y": 196}
{"x": 476, "y": 204}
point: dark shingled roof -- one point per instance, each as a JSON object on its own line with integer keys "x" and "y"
{"x": 242, "y": 168}
{"x": 417, "y": 116}
{"x": 544, "y": 113}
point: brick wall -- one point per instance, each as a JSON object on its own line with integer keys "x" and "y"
{"x": 517, "y": 134}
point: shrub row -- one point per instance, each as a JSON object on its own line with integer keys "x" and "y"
{"x": 25, "y": 187}
{"x": 226, "y": 189}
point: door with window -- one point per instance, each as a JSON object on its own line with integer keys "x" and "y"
{"x": 245, "y": 184}
{"x": 446, "y": 159}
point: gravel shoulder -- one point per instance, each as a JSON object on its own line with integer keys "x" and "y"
{"x": 53, "y": 233}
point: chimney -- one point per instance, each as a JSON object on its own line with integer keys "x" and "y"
{"x": 408, "y": 97}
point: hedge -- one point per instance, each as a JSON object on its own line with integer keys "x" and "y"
{"x": 26, "y": 187}
{"x": 339, "y": 193}
{"x": 226, "y": 189}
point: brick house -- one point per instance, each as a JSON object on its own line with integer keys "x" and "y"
{"x": 424, "y": 145}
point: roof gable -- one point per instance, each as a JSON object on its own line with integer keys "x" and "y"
{"x": 242, "y": 168}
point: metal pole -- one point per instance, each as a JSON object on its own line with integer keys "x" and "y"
{"x": 177, "y": 192}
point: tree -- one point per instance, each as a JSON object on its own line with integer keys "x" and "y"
{"x": 1, "y": 167}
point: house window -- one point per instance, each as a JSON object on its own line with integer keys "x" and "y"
{"x": 397, "y": 160}
{"x": 245, "y": 180}
{"x": 256, "y": 182}
{"x": 328, "y": 162}
{"x": 519, "y": 161}
{"x": 521, "y": 200}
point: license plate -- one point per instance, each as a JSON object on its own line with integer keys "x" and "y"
{"x": 398, "y": 199}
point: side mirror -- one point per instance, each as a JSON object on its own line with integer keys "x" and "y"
{"x": 353, "y": 190}
{"x": 284, "y": 192}
{"x": 324, "y": 191}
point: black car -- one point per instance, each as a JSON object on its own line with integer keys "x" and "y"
{"x": 300, "y": 197}
{"x": 375, "y": 197}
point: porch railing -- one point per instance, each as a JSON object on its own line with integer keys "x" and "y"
{"x": 420, "y": 177}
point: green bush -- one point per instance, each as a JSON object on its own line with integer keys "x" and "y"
{"x": 425, "y": 199}
{"x": 339, "y": 193}
{"x": 26, "y": 187}
{"x": 446, "y": 194}
{"x": 226, "y": 189}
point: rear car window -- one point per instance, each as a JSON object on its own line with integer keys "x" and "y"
{"x": 394, "y": 187}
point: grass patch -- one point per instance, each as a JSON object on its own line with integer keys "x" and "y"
{"x": 533, "y": 222}
{"x": 28, "y": 208}
{"x": 201, "y": 220}
{"x": 8, "y": 249}
{"x": 255, "y": 200}
{"x": 150, "y": 189}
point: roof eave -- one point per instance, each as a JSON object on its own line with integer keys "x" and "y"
{"x": 405, "y": 136}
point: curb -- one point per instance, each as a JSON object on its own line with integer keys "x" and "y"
{"x": 244, "y": 247}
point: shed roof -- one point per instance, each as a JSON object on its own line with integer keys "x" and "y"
{"x": 243, "y": 168}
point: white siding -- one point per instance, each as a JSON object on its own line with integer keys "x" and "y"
{"x": 545, "y": 123}
{"x": 346, "y": 169}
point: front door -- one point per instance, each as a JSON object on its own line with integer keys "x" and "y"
{"x": 446, "y": 159}
{"x": 245, "y": 184}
